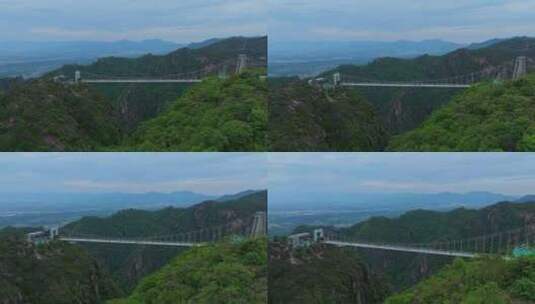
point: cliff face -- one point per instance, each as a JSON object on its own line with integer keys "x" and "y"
{"x": 55, "y": 273}
{"x": 321, "y": 274}
{"x": 307, "y": 118}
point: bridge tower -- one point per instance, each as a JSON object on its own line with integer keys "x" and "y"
{"x": 53, "y": 232}
{"x": 77, "y": 76}
{"x": 242, "y": 63}
{"x": 520, "y": 67}
{"x": 337, "y": 79}
{"x": 319, "y": 235}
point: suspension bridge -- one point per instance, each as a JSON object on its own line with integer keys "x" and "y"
{"x": 190, "y": 77}
{"x": 509, "y": 70}
{"x": 256, "y": 227}
{"x": 500, "y": 243}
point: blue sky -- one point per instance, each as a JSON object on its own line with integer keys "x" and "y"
{"x": 294, "y": 174}
{"x": 176, "y": 20}
{"x": 386, "y": 20}
{"x": 208, "y": 173}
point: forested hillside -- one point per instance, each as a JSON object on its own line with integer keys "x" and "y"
{"x": 420, "y": 226}
{"x": 134, "y": 103}
{"x": 234, "y": 271}
{"x": 403, "y": 109}
{"x": 482, "y": 281}
{"x": 217, "y": 115}
{"x": 308, "y": 118}
{"x": 55, "y": 273}
{"x": 321, "y": 274}
{"x": 128, "y": 264}
{"x": 46, "y": 116}
{"x": 400, "y": 270}
{"x": 208, "y": 59}
{"x": 491, "y": 116}
{"x": 488, "y": 117}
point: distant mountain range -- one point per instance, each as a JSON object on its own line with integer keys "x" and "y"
{"x": 56, "y": 202}
{"x": 32, "y": 59}
{"x": 294, "y": 51}
{"x": 311, "y": 57}
{"x": 387, "y": 201}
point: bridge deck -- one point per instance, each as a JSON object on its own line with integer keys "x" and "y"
{"x": 405, "y": 85}
{"x": 141, "y": 80}
{"x": 403, "y": 249}
{"x": 112, "y": 241}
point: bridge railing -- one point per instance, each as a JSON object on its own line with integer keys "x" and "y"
{"x": 498, "y": 243}
{"x": 508, "y": 70}
{"x": 254, "y": 228}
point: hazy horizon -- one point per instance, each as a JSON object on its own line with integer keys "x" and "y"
{"x": 328, "y": 177}
{"x": 180, "y": 22}
{"x": 132, "y": 173}
{"x": 464, "y": 21}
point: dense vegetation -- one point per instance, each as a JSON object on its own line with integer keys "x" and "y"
{"x": 128, "y": 264}
{"x": 209, "y": 59}
{"x": 420, "y": 226}
{"x": 54, "y": 273}
{"x": 483, "y": 281}
{"x": 403, "y": 270}
{"x": 488, "y": 117}
{"x": 321, "y": 274}
{"x": 46, "y": 116}
{"x": 217, "y": 115}
{"x": 229, "y": 272}
{"x": 135, "y": 103}
{"x": 402, "y": 109}
{"x": 308, "y": 118}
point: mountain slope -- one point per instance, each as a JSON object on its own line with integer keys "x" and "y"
{"x": 135, "y": 103}
{"x": 208, "y": 58}
{"x": 403, "y": 109}
{"x": 482, "y": 281}
{"x": 55, "y": 273}
{"x": 420, "y": 226}
{"x": 307, "y": 118}
{"x": 487, "y": 117}
{"x": 46, "y": 116}
{"x": 228, "y": 272}
{"x": 217, "y": 115}
{"x": 321, "y": 274}
{"x": 129, "y": 264}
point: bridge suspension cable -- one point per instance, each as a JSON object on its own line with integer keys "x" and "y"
{"x": 183, "y": 77}
{"x": 256, "y": 228}
{"x": 502, "y": 72}
{"x": 499, "y": 243}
